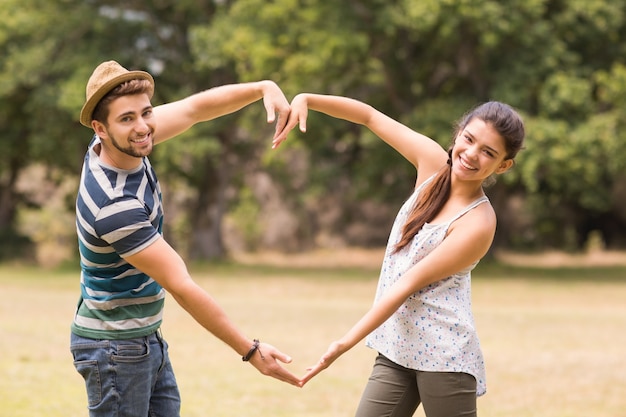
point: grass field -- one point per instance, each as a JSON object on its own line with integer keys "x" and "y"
{"x": 553, "y": 340}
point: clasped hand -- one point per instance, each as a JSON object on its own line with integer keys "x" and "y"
{"x": 267, "y": 357}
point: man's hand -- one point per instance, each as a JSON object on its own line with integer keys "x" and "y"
{"x": 266, "y": 358}
{"x": 275, "y": 102}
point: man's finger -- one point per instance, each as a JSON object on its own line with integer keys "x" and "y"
{"x": 271, "y": 112}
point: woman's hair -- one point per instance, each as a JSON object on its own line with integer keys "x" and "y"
{"x": 509, "y": 125}
{"x": 127, "y": 88}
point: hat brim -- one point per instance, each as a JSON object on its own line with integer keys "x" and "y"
{"x": 90, "y": 105}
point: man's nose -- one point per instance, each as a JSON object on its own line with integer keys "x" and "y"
{"x": 141, "y": 126}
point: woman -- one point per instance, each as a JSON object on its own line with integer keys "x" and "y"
{"x": 421, "y": 322}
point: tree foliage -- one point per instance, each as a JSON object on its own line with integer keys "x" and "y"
{"x": 423, "y": 62}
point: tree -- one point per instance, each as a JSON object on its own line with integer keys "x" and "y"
{"x": 36, "y": 38}
{"x": 49, "y": 51}
{"x": 573, "y": 170}
{"x": 423, "y": 62}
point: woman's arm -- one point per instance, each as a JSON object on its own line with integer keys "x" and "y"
{"x": 418, "y": 149}
{"x": 467, "y": 242}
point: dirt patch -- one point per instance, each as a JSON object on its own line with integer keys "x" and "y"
{"x": 372, "y": 258}
{"x": 555, "y": 259}
{"x": 319, "y": 258}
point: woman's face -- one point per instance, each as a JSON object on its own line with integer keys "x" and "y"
{"x": 478, "y": 152}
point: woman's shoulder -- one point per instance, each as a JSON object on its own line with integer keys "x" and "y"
{"x": 479, "y": 215}
{"x": 426, "y": 172}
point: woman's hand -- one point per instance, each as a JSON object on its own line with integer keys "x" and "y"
{"x": 334, "y": 351}
{"x": 297, "y": 116}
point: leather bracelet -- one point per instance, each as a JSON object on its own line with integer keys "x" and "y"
{"x": 254, "y": 348}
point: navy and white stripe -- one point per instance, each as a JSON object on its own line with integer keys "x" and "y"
{"x": 118, "y": 214}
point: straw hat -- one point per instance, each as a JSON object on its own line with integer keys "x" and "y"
{"x": 105, "y": 78}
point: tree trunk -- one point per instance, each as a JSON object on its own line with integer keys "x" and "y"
{"x": 207, "y": 213}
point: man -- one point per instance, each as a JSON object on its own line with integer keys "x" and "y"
{"x": 126, "y": 265}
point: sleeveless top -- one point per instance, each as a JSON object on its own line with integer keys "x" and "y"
{"x": 118, "y": 213}
{"x": 433, "y": 330}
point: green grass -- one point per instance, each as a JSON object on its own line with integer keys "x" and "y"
{"x": 553, "y": 340}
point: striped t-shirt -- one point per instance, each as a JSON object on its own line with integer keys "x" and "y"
{"x": 118, "y": 213}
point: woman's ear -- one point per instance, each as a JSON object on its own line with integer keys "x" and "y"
{"x": 505, "y": 166}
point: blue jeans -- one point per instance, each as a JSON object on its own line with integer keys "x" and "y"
{"x": 127, "y": 378}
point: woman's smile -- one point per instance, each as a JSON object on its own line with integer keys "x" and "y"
{"x": 465, "y": 164}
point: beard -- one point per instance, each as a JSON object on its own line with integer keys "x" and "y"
{"x": 130, "y": 149}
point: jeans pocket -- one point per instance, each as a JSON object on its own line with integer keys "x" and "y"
{"x": 129, "y": 351}
{"x": 88, "y": 369}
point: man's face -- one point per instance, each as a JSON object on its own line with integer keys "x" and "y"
{"x": 129, "y": 130}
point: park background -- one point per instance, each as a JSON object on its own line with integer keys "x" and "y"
{"x": 232, "y": 202}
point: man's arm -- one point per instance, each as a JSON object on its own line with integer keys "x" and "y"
{"x": 165, "y": 266}
{"x": 178, "y": 116}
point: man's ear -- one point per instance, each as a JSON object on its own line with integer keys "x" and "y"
{"x": 505, "y": 166}
{"x": 99, "y": 128}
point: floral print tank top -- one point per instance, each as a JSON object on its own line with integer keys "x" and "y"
{"x": 433, "y": 330}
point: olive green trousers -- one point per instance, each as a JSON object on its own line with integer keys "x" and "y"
{"x": 395, "y": 391}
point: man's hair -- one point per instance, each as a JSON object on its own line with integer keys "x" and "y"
{"x": 127, "y": 88}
